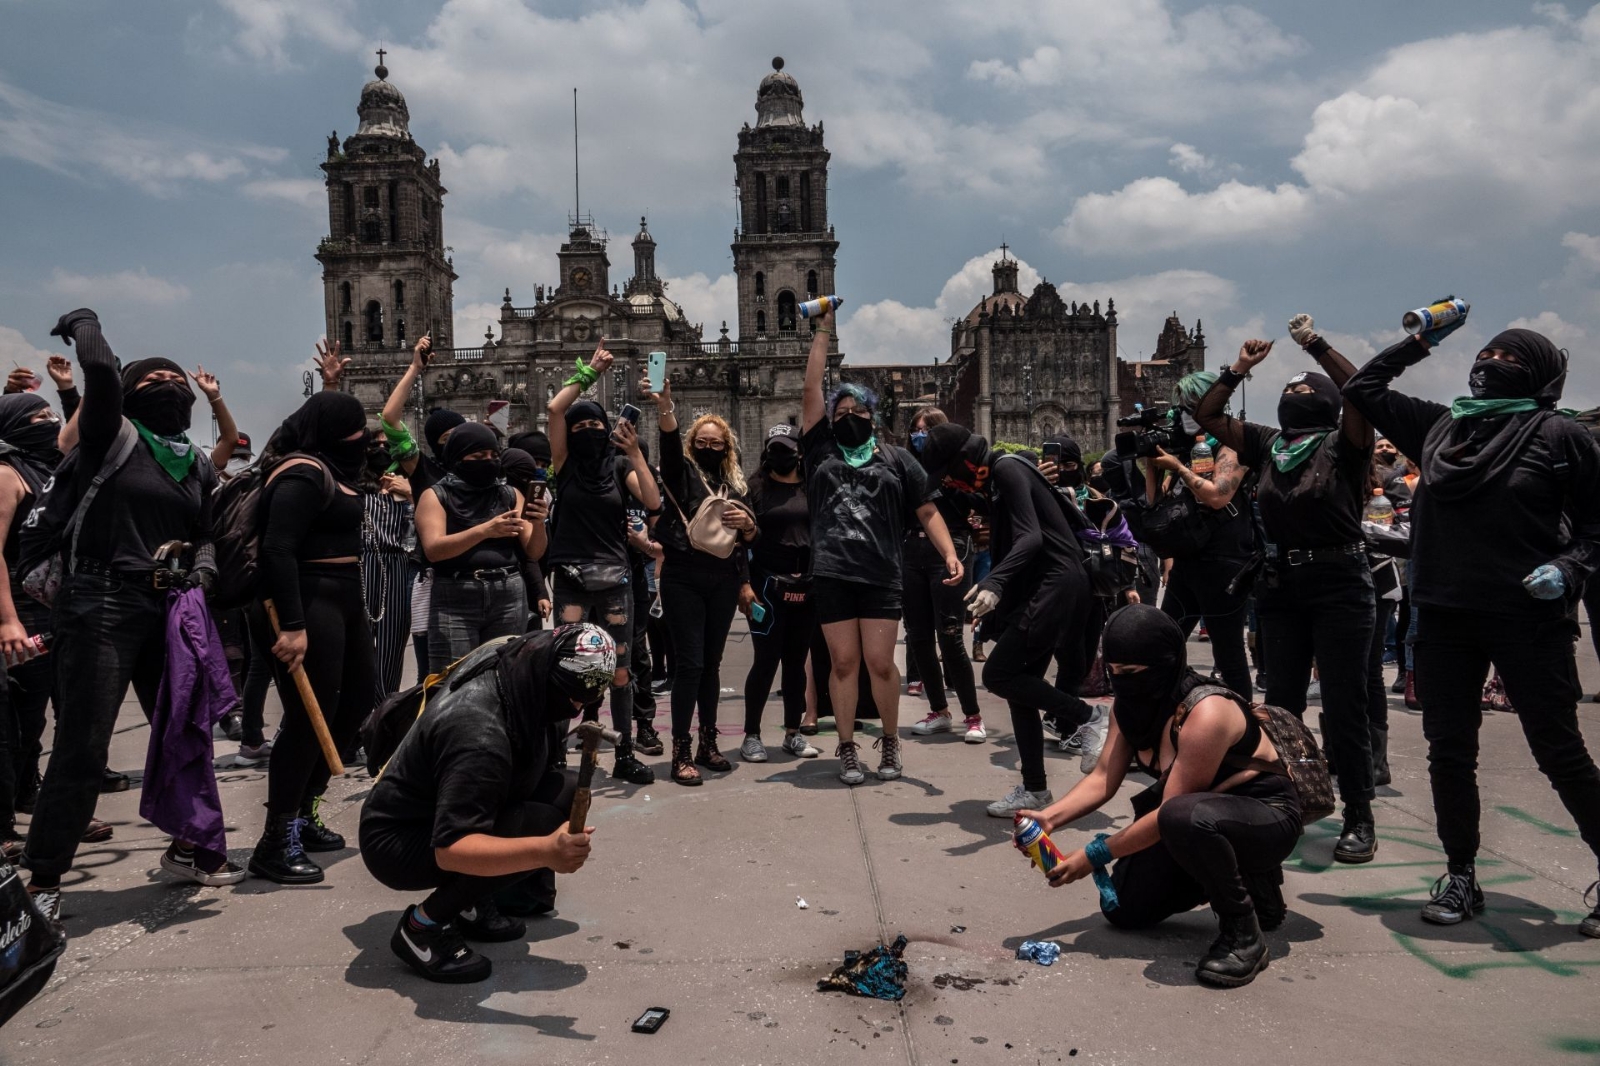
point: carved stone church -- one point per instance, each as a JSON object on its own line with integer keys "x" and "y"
{"x": 1022, "y": 367}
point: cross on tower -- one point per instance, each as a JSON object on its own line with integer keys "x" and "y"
{"x": 381, "y": 54}
{"x": 1004, "y": 247}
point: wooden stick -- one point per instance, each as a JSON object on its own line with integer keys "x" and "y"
{"x": 302, "y": 683}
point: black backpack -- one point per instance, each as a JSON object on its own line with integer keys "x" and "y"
{"x": 390, "y": 722}
{"x": 236, "y": 530}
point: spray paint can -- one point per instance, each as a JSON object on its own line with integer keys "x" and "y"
{"x": 1434, "y": 316}
{"x": 1033, "y": 841}
{"x": 820, "y": 306}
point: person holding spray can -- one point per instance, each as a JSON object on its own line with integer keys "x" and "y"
{"x": 1212, "y": 829}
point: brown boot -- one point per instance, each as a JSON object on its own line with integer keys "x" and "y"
{"x": 683, "y": 771}
{"x": 707, "y": 754}
{"x": 1412, "y": 703}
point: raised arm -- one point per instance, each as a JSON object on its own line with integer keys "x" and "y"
{"x": 1405, "y": 420}
{"x": 556, "y": 427}
{"x": 227, "y": 429}
{"x": 812, "y": 404}
{"x": 1212, "y": 413}
{"x": 100, "y": 415}
{"x": 393, "y": 417}
{"x": 1354, "y": 426}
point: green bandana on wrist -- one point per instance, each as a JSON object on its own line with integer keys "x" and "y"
{"x": 858, "y": 456}
{"x": 584, "y": 376}
{"x": 175, "y": 454}
{"x": 1466, "y": 407}
{"x": 1287, "y": 454}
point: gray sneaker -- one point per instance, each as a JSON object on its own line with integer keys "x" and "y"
{"x": 752, "y": 750}
{"x": 799, "y": 747}
{"x": 890, "y": 765}
{"x": 1088, "y": 739}
{"x": 1019, "y": 799}
{"x": 849, "y": 754}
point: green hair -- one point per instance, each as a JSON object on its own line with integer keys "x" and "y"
{"x": 1189, "y": 389}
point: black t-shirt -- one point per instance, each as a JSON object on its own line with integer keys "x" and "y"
{"x": 588, "y": 527}
{"x": 784, "y": 546}
{"x": 859, "y": 515}
{"x": 1318, "y": 504}
{"x": 464, "y": 508}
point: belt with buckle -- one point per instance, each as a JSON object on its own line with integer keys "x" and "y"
{"x": 155, "y": 579}
{"x": 499, "y": 573}
{"x": 1301, "y": 556}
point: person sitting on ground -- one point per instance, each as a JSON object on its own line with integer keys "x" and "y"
{"x": 469, "y": 803}
{"x": 1211, "y": 829}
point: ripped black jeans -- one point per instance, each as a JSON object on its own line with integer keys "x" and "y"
{"x": 612, "y": 610}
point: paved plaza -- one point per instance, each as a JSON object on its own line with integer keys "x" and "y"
{"x": 690, "y": 903}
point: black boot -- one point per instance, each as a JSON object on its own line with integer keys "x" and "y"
{"x": 1380, "y": 756}
{"x": 1358, "y": 842}
{"x": 706, "y": 753}
{"x": 315, "y": 836}
{"x": 279, "y": 855}
{"x": 1237, "y": 955}
{"x": 628, "y": 768}
{"x": 646, "y": 739}
{"x": 1266, "y": 893}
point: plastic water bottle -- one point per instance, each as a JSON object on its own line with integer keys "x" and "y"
{"x": 1202, "y": 460}
{"x": 1379, "y": 510}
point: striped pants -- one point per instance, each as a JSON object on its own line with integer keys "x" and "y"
{"x": 389, "y": 577}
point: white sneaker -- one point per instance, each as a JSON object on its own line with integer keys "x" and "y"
{"x": 1088, "y": 739}
{"x": 48, "y": 903}
{"x": 849, "y": 754}
{"x": 752, "y": 750}
{"x": 799, "y": 747}
{"x": 1019, "y": 799}
{"x": 183, "y": 865}
{"x": 935, "y": 722}
{"x": 975, "y": 731}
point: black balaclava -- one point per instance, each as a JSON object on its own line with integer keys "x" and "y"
{"x": 439, "y": 423}
{"x": 1071, "y": 452}
{"x": 465, "y": 439}
{"x": 32, "y": 444}
{"x": 1316, "y": 411}
{"x": 1539, "y": 373}
{"x": 320, "y": 427}
{"x": 590, "y": 451}
{"x": 1145, "y": 701}
{"x": 955, "y": 452}
{"x": 162, "y": 407}
{"x": 519, "y": 468}
{"x": 534, "y": 442}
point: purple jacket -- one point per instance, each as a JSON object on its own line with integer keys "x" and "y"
{"x": 180, "y": 784}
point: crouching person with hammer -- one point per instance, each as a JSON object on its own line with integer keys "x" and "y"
{"x": 470, "y": 803}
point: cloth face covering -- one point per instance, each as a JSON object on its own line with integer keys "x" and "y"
{"x": 438, "y": 424}
{"x": 163, "y": 407}
{"x": 852, "y": 431}
{"x": 1141, "y": 635}
{"x": 32, "y": 444}
{"x": 709, "y": 460}
{"x": 1316, "y": 411}
{"x": 320, "y": 428}
{"x": 590, "y": 450}
{"x": 1497, "y": 379}
{"x": 783, "y": 460}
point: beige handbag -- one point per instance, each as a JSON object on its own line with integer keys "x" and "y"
{"x": 706, "y": 531}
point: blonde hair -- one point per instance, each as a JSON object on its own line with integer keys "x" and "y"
{"x": 732, "y": 475}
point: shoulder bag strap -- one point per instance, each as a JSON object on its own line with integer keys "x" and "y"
{"x": 121, "y": 448}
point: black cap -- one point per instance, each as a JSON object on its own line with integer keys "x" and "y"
{"x": 243, "y": 444}
{"x": 785, "y": 434}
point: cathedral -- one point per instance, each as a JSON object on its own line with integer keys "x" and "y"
{"x": 1021, "y": 367}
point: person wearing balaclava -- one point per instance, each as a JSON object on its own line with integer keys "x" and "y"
{"x": 598, "y": 472}
{"x": 865, "y": 493}
{"x": 534, "y": 442}
{"x": 523, "y": 474}
{"x": 29, "y": 453}
{"x": 1314, "y": 597}
{"x": 1035, "y": 603}
{"x": 421, "y": 469}
{"x": 1211, "y": 583}
{"x": 1505, "y": 527}
{"x": 469, "y": 805}
{"x": 1216, "y": 826}
{"x": 110, "y": 615}
{"x": 310, "y": 571}
{"x": 387, "y": 561}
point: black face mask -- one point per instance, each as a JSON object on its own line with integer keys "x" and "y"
{"x": 162, "y": 407}
{"x": 708, "y": 459}
{"x": 588, "y": 445}
{"x": 1306, "y": 412}
{"x": 479, "y": 473}
{"x": 347, "y": 458}
{"x": 37, "y": 439}
{"x": 1144, "y": 702}
{"x": 783, "y": 461}
{"x": 1100, "y": 484}
{"x": 1497, "y": 379}
{"x": 1071, "y": 478}
{"x": 852, "y": 431}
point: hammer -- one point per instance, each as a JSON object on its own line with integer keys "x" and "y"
{"x": 591, "y": 733}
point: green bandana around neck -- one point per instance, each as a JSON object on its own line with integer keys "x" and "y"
{"x": 859, "y": 455}
{"x": 1467, "y": 407}
{"x": 175, "y": 454}
{"x": 1287, "y": 454}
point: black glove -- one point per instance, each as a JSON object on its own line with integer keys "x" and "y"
{"x": 203, "y": 578}
{"x": 65, "y": 323}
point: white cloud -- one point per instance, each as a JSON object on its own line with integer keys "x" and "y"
{"x": 15, "y": 350}
{"x": 471, "y": 320}
{"x": 1190, "y": 160}
{"x": 127, "y": 286}
{"x": 266, "y": 27}
{"x": 310, "y": 194}
{"x": 890, "y": 332}
{"x": 708, "y": 302}
{"x": 1585, "y": 249}
{"x": 1157, "y": 213}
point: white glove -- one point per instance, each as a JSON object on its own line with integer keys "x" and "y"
{"x": 1300, "y": 329}
{"x": 980, "y": 601}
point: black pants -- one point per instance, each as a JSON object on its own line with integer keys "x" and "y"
{"x": 1377, "y": 688}
{"x": 784, "y": 638}
{"x": 1454, "y": 651}
{"x": 661, "y": 661}
{"x": 109, "y": 633}
{"x": 401, "y": 856}
{"x": 1323, "y": 610}
{"x": 1198, "y": 589}
{"x": 935, "y": 615}
{"x": 644, "y": 701}
{"x": 699, "y": 608}
{"x": 1591, "y": 608}
{"x": 257, "y": 678}
{"x": 341, "y": 664}
{"x": 1212, "y": 844}
{"x": 23, "y": 696}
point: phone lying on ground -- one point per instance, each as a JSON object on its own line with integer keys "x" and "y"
{"x": 651, "y": 1020}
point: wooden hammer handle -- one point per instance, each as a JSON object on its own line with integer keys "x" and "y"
{"x": 308, "y": 699}
{"x": 580, "y": 812}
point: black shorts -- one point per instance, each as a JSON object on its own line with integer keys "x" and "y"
{"x": 837, "y": 600}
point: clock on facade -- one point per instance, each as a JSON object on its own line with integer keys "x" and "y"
{"x": 581, "y": 279}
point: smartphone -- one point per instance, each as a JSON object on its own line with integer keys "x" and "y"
{"x": 758, "y": 613}
{"x": 537, "y": 488}
{"x": 630, "y": 414}
{"x": 1052, "y": 451}
{"x": 651, "y": 1020}
{"x": 658, "y": 371}
{"x": 427, "y": 356}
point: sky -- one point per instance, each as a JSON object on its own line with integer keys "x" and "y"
{"x": 1236, "y": 163}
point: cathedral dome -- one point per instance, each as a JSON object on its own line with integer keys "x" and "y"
{"x": 778, "y": 100}
{"x": 644, "y": 303}
{"x": 383, "y": 108}
{"x": 991, "y": 305}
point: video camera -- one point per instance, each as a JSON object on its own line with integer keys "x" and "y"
{"x": 1151, "y": 429}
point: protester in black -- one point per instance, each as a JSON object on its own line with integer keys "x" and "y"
{"x": 1035, "y": 601}
{"x": 311, "y": 574}
{"x": 1210, "y": 830}
{"x": 644, "y": 552}
{"x": 786, "y": 634}
{"x": 598, "y": 470}
{"x": 1314, "y": 598}
{"x": 469, "y": 805}
{"x": 528, "y": 477}
{"x": 1505, "y": 535}
{"x": 864, "y": 494}
{"x": 110, "y": 614}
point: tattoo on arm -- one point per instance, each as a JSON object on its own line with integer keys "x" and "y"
{"x": 1228, "y": 473}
